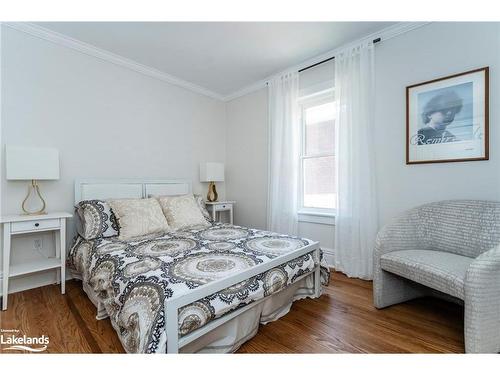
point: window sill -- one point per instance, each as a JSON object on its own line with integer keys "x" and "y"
{"x": 324, "y": 218}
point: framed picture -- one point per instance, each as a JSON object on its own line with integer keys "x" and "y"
{"x": 447, "y": 119}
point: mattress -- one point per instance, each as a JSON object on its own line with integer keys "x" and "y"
{"x": 131, "y": 280}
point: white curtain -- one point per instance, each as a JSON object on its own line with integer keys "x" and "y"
{"x": 356, "y": 222}
{"x": 283, "y": 154}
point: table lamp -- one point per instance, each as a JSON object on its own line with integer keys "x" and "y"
{"x": 30, "y": 163}
{"x": 211, "y": 172}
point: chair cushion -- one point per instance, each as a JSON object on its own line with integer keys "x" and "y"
{"x": 436, "y": 269}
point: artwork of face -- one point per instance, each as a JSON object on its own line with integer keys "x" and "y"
{"x": 439, "y": 108}
{"x": 447, "y": 118}
{"x": 440, "y": 111}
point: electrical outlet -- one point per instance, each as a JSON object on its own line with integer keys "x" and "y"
{"x": 38, "y": 244}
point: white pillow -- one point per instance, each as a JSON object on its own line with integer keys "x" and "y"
{"x": 182, "y": 211}
{"x": 138, "y": 217}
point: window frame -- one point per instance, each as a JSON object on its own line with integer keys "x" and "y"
{"x": 312, "y": 214}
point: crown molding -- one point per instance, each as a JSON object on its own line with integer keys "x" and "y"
{"x": 91, "y": 50}
{"x": 384, "y": 34}
{"x": 247, "y": 89}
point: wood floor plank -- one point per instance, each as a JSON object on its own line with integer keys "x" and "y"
{"x": 343, "y": 320}
{"x": 101, "y": 331}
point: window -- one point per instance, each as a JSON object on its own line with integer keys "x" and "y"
{"x": 317, "y": 164}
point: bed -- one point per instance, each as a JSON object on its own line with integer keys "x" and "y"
{"x": 200, "y": 289}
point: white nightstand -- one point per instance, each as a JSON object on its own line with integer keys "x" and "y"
{"x": 22, "y": 224}
{"x": 215, "y": 207}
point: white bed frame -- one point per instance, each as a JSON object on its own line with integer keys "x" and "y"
{"x": 142, "y": 188}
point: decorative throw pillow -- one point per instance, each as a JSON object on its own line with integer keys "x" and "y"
{"x": 138, "y": 217}
{"x": 203, "y": 208}
{"x": 96, "y": 219}
{"x": 182, "y": 211}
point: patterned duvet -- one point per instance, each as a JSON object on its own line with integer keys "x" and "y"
{"x": 133, "y": 279}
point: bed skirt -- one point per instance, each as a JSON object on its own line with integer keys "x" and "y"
{"x": 228, "y": 337}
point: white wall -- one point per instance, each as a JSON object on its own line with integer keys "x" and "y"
{"x": 246, "y": 164}
{"x": 432, "y": 51}
{"x": 105, "y": 120}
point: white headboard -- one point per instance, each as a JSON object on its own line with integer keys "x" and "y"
{"x": 128, "y": 188}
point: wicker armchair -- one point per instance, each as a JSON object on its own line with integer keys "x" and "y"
{"x": 451, "y": 247}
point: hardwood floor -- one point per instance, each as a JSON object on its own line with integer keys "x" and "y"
{"x": 343, "y": 320}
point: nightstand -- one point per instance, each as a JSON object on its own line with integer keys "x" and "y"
{"x": 23, "y": 224}
{"x": 215, "y": 207}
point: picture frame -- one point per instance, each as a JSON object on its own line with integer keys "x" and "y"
{"x": 447, "y": 119}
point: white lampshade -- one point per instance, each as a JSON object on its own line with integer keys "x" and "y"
{"x": 211, "y": 172}
{"x": 30, "y": 163}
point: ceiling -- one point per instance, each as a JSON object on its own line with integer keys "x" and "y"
{"x": 222, "y": 57}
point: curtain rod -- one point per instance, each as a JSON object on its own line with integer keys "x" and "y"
{"x": 330, "y": 58}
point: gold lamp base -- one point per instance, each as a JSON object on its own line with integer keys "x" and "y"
{"x": 212, "y": 192}
{"x": 35, "y": 190}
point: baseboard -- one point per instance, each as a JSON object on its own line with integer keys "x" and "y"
{"x": 328, "y": 256}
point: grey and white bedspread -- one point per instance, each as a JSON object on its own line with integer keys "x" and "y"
{"x": 133, "y": 279}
